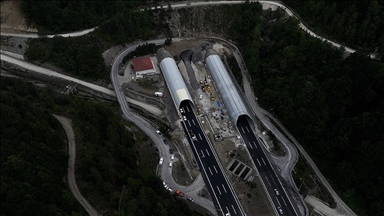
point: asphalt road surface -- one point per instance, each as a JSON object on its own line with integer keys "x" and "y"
{"x": 279, "y": 197}
{"x": 221, "y": 191}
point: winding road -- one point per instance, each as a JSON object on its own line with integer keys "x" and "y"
{"x": 66, "y": 123}
{"x": 286, "y": 168}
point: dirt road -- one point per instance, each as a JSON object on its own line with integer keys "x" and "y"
{"x": 71, "y": 166}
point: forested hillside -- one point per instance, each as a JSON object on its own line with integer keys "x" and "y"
{"x": 81, "y": 56}
{"x": 357, "y": 23}
{"x": 34, "y": 159}
{"x": 33, "y": 154}
{"x": 333, "y": 105}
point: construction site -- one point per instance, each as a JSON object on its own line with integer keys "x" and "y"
{"x": 211, "y": 111}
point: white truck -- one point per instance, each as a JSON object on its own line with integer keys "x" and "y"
{"x": 159, "y": 94}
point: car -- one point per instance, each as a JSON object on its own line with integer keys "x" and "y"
{"x": 280, "y": 210}
{"x": 276, "y": 192}
{"x": 170, "y": 190}
{"x": 164, "y": 183}
{"x": 190, "y": 199}
{"x": 228, "y": 214}
{"x": 170, "y": 164}
{"x": 158, "y": 132}
{"x": 170, "y": 151}
{"x": 181, "y": 110}
{"x": 194, "y": 137}
{"x": 185, "y": 118}
{"x": 172, "y": 156}
{"x": 161, "y": 161}
{"x": 165, "y": 142}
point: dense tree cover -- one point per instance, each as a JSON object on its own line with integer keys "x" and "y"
{"x": 70, "y": 15}
{"x": 34, "y": 161}
{"x": 80, "y": 56}
{"x": 333, "y": 106}
{"x": 354, "y": 22}
{"x": 33, "y": 154}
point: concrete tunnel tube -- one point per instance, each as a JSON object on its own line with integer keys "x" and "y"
{"x": 233, "y": 101}
{"x": 175, "y": 82}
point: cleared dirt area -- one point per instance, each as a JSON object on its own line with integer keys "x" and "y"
{"x": 12, "y": 20}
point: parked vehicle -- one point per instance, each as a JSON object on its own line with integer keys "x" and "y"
{"x": 165, "y": 142}
{"x": 170, "y": 164}
{"x": 190, "y": 199}
{"x": 171, "y": 151}
{"x": 159, "y": 94}
{"x": 161, "y": 161}
{"x": 158, "y": 132}
{"x": 179, "y": 193}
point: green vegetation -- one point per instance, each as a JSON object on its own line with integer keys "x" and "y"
{"x": 109, "y": 159}
{"x": 64, "y": 16}
{"x": 333, "y": 106}
{"x": 355, "y": 23}
{"x": 33, "y": 154}
{"x": 79, "y": 56}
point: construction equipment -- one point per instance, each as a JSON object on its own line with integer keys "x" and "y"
{"x": 179, "y": 193}
{"x": 209, "y": 90}
{"x": 212, "y": 97}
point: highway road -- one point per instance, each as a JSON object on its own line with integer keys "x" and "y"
{"x": 272, "y": 185}
{"x": 222, "y": 193}
{"x": 165, "y": 171}
{"x": 166, "y": 174}
{"x": 152, "y": 109}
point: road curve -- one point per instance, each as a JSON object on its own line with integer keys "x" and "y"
{"x": 152, "y": 109}
{"x": 165, "y": 171}
{"x": 190, "y": 190}
{"x": 194, "y": 4}
{"x": 66, "y": 123}
{"x": 72, "y": 34}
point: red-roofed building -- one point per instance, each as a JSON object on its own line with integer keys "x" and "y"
{"x": 143, "y": 66}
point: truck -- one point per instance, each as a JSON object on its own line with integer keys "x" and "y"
{"x": 159, "y": 94}
{"x": 179, "y": 193}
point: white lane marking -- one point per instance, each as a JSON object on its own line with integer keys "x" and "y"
{"x": 234, "y": 209}
{"x": 263, "y": 161}
{"x": 200, "y": 137}
{"x": 187, "y": 108}
{"x": 247, "y": 129}
{"x": 207, "y": 152}
{"x": 189, "y": 123}
{"x": 278, "y": 201}
{"x": 258, "y": 162}
{"x": 215, "y": 169}
{"x": 242, "y": 129}
{"x": 202, "y": 153}
{"x": 268, "y": 181}
{"x": 210, "y": 170}
{"x": 218, "y": 189}
{"x": 193, "y": 122}
{"x": 224, "y": 188}
{"x": 284, "y": 202}
{"x": 227, "y": 209}
{"x": 250, "y": 145}
{"x": 254, "y": 144}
